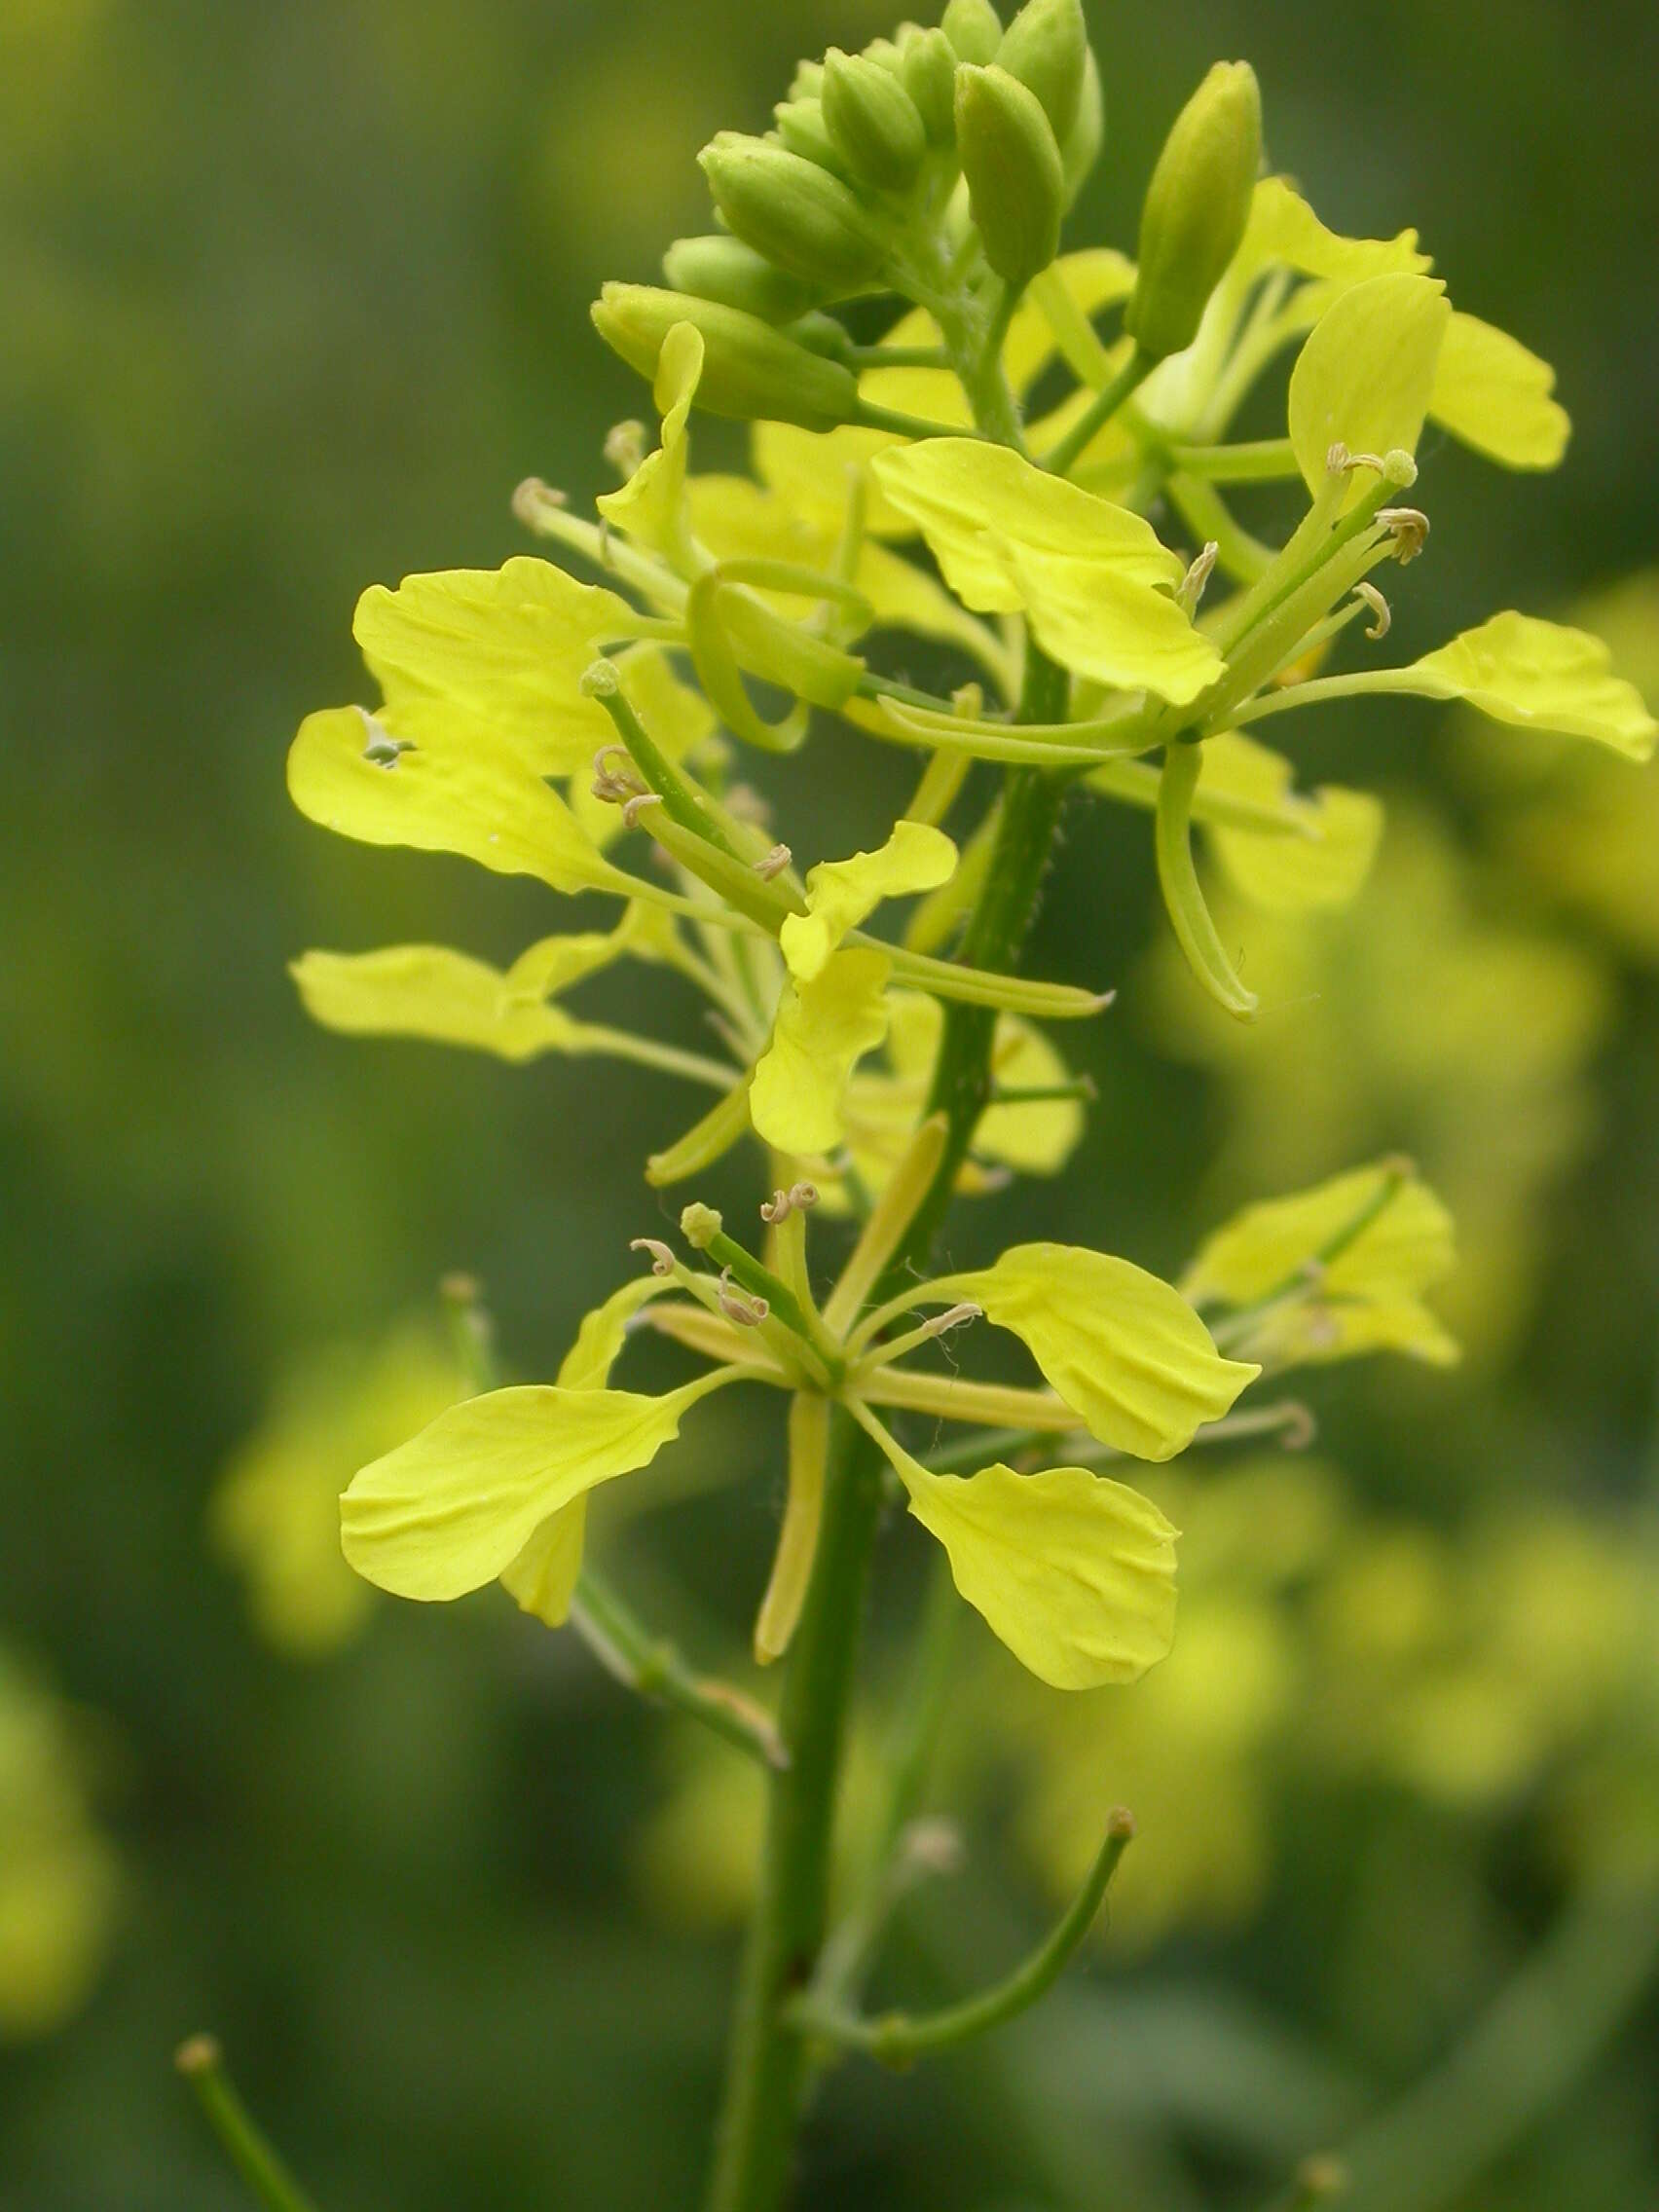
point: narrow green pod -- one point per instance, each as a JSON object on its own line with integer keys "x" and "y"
{"x": 1011, "y": 162}
{"x": 1183, "y": 894}
{"x": 1196, "y": 206}
{"x": 872, "y": 122}
{"x": 973, "y": 28}
{"x": 1044, "y": 47}
{"x": 723, "y": 268}
{"x": 794, "y": 214}
{"x": 751, "y": 372}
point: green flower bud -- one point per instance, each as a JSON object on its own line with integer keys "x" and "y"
{"x": 883, "y": 52}
{"x": 824, "y": 334}
{"x": 872, "y": 121}
{"x": 801, "y": 129}
{"x": 1196, "y": 206}
{"x": 1083, "y": 143}
{"x": 750, "y": 370}
{"x": 808, "y": 82}
{"x": 1016, "y": 183}
{"x": 930, "y": 79}
{"x": 725, "y": 269}
{"x": 973, "y": 28}
{"x": 1044, "y": 47}
{"x": 802, "y": 219}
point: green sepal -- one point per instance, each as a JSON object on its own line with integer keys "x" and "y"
{"x": 802, "y": 218}
{"x": 1182, "y": 895}
{"x": 751, "y": 372}
{"x": 872, "y": 121}
{"x": 973, "y": 28}
{"x": 1195, "y": 208}
{"x": 1044, "y": 47}
{"x": 1017, "y": 184}
{"x": 723, "y": 268}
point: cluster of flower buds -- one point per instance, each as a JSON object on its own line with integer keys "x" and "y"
{"x": 881, "y": 170}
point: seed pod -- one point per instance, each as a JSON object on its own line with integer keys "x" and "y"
{"x": 750, "y": 371}
{"x": 1016, "y": 182}
{"x": 1044, "y": 47}
{"x": 930, "y": 79}
{"x": 1083, "y": 143}
{"x": 973, "y": 28}
{"x": 797, "y": 214}
{"x": 723, "y": 268}
{"x": 1195, "y": 209}
{"x": 872, "y": 121}
{"x": 801, "y": 129}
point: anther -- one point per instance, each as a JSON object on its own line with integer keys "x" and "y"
{"x": 1191, "y": 586}
{"x": 1378, "y": 607}
{"x": 632, "y": 808}
{"x": 773, "y": 863}
{"x": 382, "y": 748}
{"x": 625, "y": 447}
{"x": 533, "y": 497}
{"x": 614, "y": 776}
{"x": 952, "y": 1318}
{"x": 663, "y": 1261}
{"x": 738, "y": 1307}
{"x": 1299, "y": 1427}
{"x": 1410, "y": 528}
{"x": 799, "y": 1198}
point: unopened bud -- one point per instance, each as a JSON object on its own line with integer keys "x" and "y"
{"x": 802, "y": 219}
{"x": 725, "y": 269}
{"x": 929, "y": 71}
{"x": 872, "y": 121}
{"x": 973, "y": 28}
{"x": 1195, "y": 209}
{"x": 1084, "y": 142}
{"x": 1044, "y": 48}
{"x": 1012, "y": 161}
{"x": 750, "y": 371}
{"x": 801, "y": 129}
{"x": 808, "y": 81}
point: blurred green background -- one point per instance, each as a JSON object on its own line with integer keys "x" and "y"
{"x": 292, "y": 297}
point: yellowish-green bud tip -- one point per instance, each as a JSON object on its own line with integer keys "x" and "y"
{"x": 1195, "y": 208}
{"x": 198, "y": 2054}
{"x": 1044, "y": 47}
{"x": 872, "y": 122}
{"x": 1010, "y": 159}
{"x": 973, "y": 28}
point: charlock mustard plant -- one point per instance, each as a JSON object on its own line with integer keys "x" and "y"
{"x": 557, "y": 729}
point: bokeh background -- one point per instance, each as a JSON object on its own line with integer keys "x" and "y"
{"x": 292, "y": 297}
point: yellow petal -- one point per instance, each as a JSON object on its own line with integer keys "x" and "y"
{"x": 1366, "y": 374}
{"x": 451, "y": 1509}
{"x": 1283, "y": 230}
{"x": 823, "y": 1028}
{"x": 1404, "y": 1243}
{"x": 841, "y": 894}
{"x": 470, "y": 796}
{"x": 1495, "y": 395}
{"x": 495, "y": 650}
{"x": 1123, "y": 1349}
{"x": 651, "y": 506}
{"x": 1322, "y": 854}
{"x": 1110, "y": 627}
{"x": 1538, "y": 675}
{"x": 1076, "y": 1573}
{"x": 543, "y": 1577}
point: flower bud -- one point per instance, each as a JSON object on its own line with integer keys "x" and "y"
{"x": 1196, "y": 206}
{"x": 750, "y": 370}
{"x": 801, "y": 129}
{"x": 793, "y": 212}
{"x": 872, "y": 121}
{"x": 723, "y": 268}
{"x": 1044, "y": 47}
{"x": 973, "y": 28}
{"x": 930, "y": 79}
{"x": 808, "y": 82}
{"x": 1016, "y": 182}
{"x": 1081, "y": 148}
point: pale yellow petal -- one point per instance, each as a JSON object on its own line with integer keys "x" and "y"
{"x": 842, "y": 894}
{"x": 1495, "y": 395}
{"x": 823, "y": 1029}
{"x": 1366, "y": 374}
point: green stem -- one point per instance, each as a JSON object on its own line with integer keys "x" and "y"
{"x": 652, "y": 1667}
{"x": 201, "y": 2063}
{"x": 898, "y": 2039}
{"x": 1095, "y": 417}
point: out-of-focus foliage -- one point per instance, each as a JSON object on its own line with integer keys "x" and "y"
{"x": 293, "y": 298}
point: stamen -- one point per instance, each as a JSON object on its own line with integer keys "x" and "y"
{"x": 738, "y": 1307}
{"x": 382, "y": 748}
{"x": 1191, "y": 586}
{"x": 633, "y": 807}
{"x": 663, "y": 1261}
{"x": 746, "y": 804}
{"x": 1410, "y": 528}
{"x": 614, "y": 783}
{"x": 773, "y": 863}
{"x": 533, "y": 497}
{"x": 625, "y": 447}
{"x": 799, "y": 1198}
{"x": 1378, "y": 607}
{"x": 951, "y": 1318}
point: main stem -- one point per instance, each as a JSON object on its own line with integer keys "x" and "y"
{"x": 767, "y": 2071}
